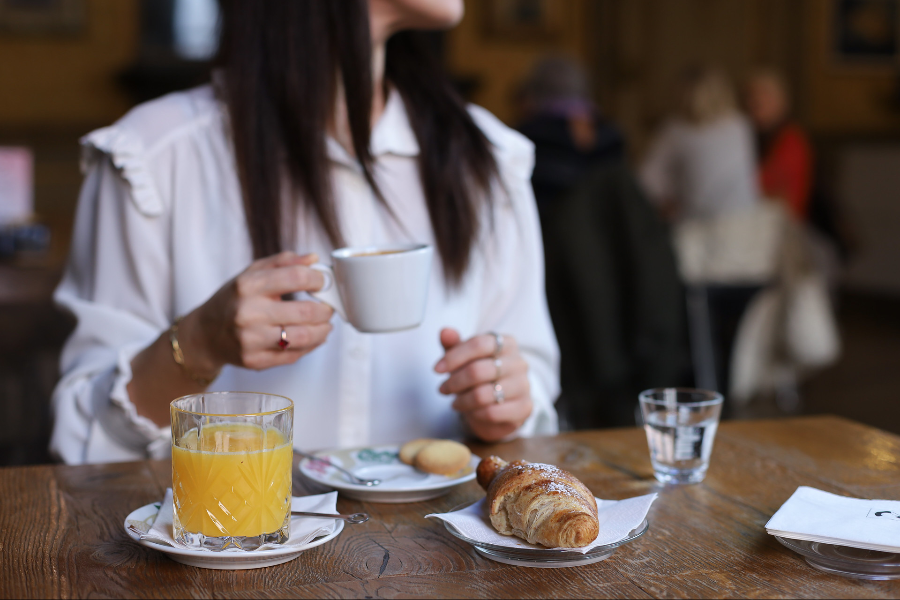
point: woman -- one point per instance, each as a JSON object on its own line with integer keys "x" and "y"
{"x": 702, "y": 172}
{"x": 211, "y": 204}
{"x": 702, "y": 164}
{"x": 786, "y": 161}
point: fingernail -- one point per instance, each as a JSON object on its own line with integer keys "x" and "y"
{"x": 441, "y": 366}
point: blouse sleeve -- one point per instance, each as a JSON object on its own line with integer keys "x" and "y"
{"x": 117, "y": 285}
{"x": 515, "y": 300}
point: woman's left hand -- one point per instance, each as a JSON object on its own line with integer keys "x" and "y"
{"x": 474, "y": 370}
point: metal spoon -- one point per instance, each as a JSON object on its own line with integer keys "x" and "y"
{"x": 357, "y": 480}
{"x": 354, "y": 519}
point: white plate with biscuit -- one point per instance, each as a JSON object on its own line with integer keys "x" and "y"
{"x": 400, "y": 482}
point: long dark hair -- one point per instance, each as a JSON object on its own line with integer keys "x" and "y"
{"x": 284, "y": 61}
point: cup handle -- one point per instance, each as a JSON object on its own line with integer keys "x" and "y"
{"x": 329, "y": 292}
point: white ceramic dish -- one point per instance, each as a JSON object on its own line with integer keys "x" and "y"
{"x": 400, "y": 482}
{"x": 545, "y": 558}
{"x": 221, "y": 560}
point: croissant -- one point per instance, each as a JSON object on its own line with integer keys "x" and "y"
{"x": 539, "y": 503}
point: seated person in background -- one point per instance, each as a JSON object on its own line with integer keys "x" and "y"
{"x": 785, "y": 155}
{"x": 327, "y": 126}
{"x": 570, "y": 135}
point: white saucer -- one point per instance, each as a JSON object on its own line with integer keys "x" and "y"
{"x": 221, "y": 560}
{"x": 400, "y": 482}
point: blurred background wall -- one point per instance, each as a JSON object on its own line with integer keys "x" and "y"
{"x": 74, "y": 65}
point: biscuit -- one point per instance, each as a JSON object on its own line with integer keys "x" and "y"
{"x": 442, "y": 457}
{"x": 409, "y": 450}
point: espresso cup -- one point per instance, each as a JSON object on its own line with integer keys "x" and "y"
{"x": 378, "y": 289}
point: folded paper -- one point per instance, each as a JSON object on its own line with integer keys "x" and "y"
{"x": 815, "y": 516}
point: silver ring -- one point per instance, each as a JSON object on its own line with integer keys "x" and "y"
{"x": 283, "y": 343}
{"x": 499, "y": 396}
{"x": 498, "y": 340}
{"x": 498, "y": 364}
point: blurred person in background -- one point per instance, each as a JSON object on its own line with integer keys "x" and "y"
{"x": 328, "y": 125}
{"x": 731, "y": 246}
{"x": 569, "y": 132}
{"x": 785, "y": 155}
{"x": 702, "y": 164}
{"x": 787, "y": 170}
{"x": 612, "y": 284}
{"x": 701, "y": 172}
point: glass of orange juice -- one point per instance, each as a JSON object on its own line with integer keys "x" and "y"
{"x": 231, "y": 469}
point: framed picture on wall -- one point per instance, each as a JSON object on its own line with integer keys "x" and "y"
{"x": 867, "y": 30}
{"x": 523, "y": 20}
{"x": 41, "y": 16}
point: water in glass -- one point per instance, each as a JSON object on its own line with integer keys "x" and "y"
{"x": 681, "y": 427}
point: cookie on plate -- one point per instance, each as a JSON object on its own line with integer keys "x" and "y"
{"x": 409, "y": 450}
{"x": 442, "y": 457}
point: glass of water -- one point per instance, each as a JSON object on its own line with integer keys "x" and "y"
{"x": 681, "y": 426}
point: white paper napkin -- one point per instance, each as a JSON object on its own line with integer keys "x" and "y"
{"x": 303, "y": 529}
{"x": 816, "y": 516}
{"x": 617, "y": 520}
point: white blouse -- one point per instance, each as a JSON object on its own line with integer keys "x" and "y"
{"x": 160, "y": 227}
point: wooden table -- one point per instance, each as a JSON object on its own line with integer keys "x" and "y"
{"x": 61, "y": 527}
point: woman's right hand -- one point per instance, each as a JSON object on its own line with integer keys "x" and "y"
{"x": 241, "y": 323}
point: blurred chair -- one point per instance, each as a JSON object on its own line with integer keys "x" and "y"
{"x": 615, "y": 299}
{"x": 758, "y": 309}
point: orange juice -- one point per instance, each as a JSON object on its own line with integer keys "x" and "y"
{"x": 233, "y": 479}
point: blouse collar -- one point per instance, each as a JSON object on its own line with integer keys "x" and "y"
{"x": 392, "y": 134}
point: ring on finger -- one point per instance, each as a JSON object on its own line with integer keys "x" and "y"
{"x": 499, "y": 395}
{"x": 498, "y": 364}
{"x": 283, "y": 343}
{"x": 498, "y": 340}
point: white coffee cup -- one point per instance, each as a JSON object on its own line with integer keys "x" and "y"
{"x": 378, "y": 288}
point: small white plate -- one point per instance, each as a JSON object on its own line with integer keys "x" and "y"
{"x": 399, "y": 482}
{"x": 221, "y": 560}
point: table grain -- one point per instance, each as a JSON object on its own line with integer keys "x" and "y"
{"x": 61, "y": 527}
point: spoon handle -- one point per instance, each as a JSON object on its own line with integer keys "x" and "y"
{"x": 354, "y": 518}
{"x": 368, "y": 482}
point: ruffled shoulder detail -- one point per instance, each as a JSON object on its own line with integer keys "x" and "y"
{"x": 514, "y": 151}
{"x": 127, "y": 155}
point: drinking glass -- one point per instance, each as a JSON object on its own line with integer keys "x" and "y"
{"x": 231, "y": 469}
{"x": 681, "y": 426}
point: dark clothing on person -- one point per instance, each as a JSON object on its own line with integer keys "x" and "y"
{"x": 727, "y": 306}
{"x": 559, "y": 163}
{"x": 615, "y": 298}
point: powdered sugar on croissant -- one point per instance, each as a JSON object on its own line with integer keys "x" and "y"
{"x": 539, "y": 503}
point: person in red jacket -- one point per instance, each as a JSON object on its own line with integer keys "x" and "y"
{"x": 785, "y": 155}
